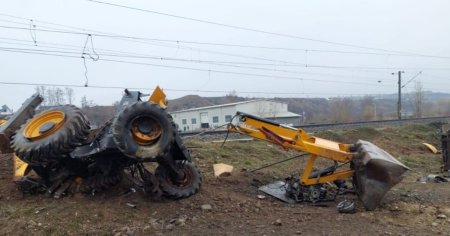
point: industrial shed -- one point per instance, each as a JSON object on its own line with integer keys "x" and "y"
{"x": 215, "y": 116}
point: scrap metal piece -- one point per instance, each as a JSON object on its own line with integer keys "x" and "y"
{"x": 346, "y": 206}
{"x": 25, "y": 112}
{"x": 376, "y": 171}
{"x": 430, "y": 147}
{"x": 62, "y": 190}
{"x": 28, "y": 185}
{"x": 277, "y": 190}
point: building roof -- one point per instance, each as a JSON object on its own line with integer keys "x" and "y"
{"x": 222, "y": 105}
{"x": 280, "y": 115}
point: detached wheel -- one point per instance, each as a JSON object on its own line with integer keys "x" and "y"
{"x": 186, "y": 187}
{"x": 51, "y": 135}
{"x": 143, "y": 130}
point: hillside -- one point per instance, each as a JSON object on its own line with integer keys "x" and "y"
{"x": 336, "y": 109}
{"x": 316, "y": 110}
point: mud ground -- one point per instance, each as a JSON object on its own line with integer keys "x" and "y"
{"x": 230, "y": 206}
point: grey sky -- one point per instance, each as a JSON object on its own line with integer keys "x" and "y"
{"x": 420, "y": 27}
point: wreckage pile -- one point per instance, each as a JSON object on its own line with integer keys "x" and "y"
{"x": 59, "y": 146}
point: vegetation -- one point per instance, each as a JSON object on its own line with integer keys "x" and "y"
{"x": 315, "y": 110}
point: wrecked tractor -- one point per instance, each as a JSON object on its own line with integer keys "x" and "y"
{"x": 59, "y": 147}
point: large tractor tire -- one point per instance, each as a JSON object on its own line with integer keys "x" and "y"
{"x": 51, "y": 135}
{"x": 187, "y": 187}
{"x": 105, "y": 172}
{"x": 143, "y": 130}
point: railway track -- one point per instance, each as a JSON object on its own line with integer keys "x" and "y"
{"x": 349, "y": 125}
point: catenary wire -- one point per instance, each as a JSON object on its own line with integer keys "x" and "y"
{"x": 174, "y": 90}
{"x": 212, "y": 62}
{"x": 249, "y": 29}
{"x": 53, "y": 53}
{"x": 305, "y": 65}
{"x": 226, "y": 44}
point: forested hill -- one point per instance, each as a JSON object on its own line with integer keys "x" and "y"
{"x": 338, "y": 109}
{"x": 316, "y": 110}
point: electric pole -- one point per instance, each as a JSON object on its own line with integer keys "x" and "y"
{"x": 399, "y": 102}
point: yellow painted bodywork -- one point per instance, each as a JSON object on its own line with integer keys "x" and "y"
{"x": 159, "y": 97}
{"x": 430, "y": 147}
{"x": 20, "y": 168}
{"x": 3, "y": 121}
{"x": 298, "y": 139}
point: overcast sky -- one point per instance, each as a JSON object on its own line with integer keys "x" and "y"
{"x": 356, "y": 46}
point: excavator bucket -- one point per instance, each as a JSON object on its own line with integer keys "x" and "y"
{"x": 376, "y": 171}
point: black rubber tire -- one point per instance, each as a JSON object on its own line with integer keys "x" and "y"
{"x": 101, "y": 182}
{"x": 178, "y": 151}
{"x": 122, "y": 134}
{"x": 171, "y": 190}
{"x": 346, "y": 206}
{"x": 56, "y": 146}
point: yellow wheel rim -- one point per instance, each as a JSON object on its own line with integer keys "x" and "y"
{"x": 145, "y": 130}
{"x": 44, "y": 125}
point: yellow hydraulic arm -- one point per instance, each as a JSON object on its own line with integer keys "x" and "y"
{"x": 293, "y": 138}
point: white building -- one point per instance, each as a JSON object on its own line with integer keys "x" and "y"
{"x": 215, "y": 116}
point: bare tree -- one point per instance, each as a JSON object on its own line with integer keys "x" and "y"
{"x": 232, "y": 93}
{"x": 58, "y": 94}
{"x": 341, "y": 109}
{"x": 69, "y": 95}
{"x": 42, "y": 90}
{"x": 52, "y": 96}
{"x": 418, "y": 99}
{"x": 85, "y": 103}
{"x": 368, "y": 108}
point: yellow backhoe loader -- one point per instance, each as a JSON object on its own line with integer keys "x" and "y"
{"x": 59, "y": 146}
{"x": 373, "y": 170}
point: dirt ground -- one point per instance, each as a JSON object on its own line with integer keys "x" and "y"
{"x": 230, "y": 206}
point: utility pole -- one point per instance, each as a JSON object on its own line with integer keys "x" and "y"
{"x": 399, "y": 102}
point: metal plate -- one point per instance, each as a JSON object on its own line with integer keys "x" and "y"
{"x": 277, "y": 189}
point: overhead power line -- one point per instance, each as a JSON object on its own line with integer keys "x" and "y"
{"x": 243, "y": 45}
{"x": 172, "y": 89}
{"x": 249, "y": 29}
{"x": 306, "y": 50}
{"x": 55, "y": 53}
{"x": 139, "y": 40}
{"x": 292, "y": 63}
{"x": 234, "y": 64}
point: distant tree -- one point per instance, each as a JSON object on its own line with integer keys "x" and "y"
{"x": 418, "y": 99}
{"x": 85, "y": 103}
{"x": 69, "y": 95}
{"x": 368, "y": 108}
{"x": 52, "y": 96}
{"x": 232, "y": 93}
{"x": 341, "y": 109}
{"x": 42, "y": 90}
{"x": 379, "y": 112}
{"x": 59, "y": 96}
